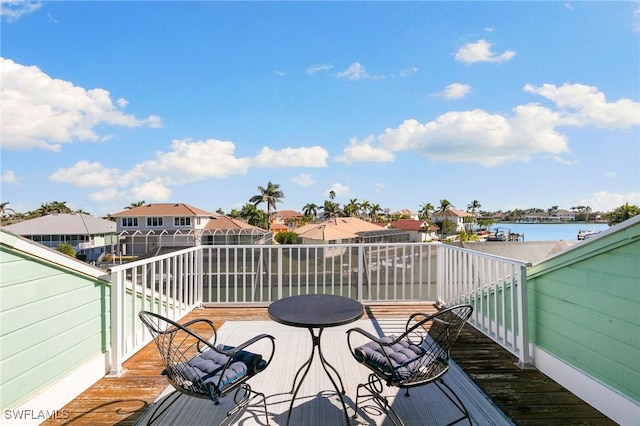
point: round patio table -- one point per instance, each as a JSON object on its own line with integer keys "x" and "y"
{"x": 316, "y": 311}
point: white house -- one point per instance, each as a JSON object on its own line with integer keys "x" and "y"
{"x": 151, "y": 226}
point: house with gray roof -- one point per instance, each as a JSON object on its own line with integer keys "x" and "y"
{"x": 161, "y": 226}
{"x": 90, "y": 236}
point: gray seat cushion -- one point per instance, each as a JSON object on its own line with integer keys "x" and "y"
{"x": 206, "y": 369}
{"x": 398, "y": 362}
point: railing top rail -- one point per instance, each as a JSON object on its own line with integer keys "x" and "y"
{"x": 491, "y": 256}
{"x": 134, "y": 263}
{"x": 128, "y": 265}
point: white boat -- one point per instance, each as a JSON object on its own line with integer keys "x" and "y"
{"x": 586, "y": 233}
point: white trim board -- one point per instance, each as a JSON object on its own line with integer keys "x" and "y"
{"x": 51, "y": 400}
{"x": 608, "y": 401}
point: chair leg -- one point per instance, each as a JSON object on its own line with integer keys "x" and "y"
{"x": 157, "y": 413}
{"x": 455, "y": 399}
{"x": 374, "y": 388}
{"x": 242, "y": 397}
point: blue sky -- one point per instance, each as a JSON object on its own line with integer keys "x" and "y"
{"x": 513, "y": 104}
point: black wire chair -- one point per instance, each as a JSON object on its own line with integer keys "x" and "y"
{"x": 419, "y": 356}
{"x": 201, "y": 368}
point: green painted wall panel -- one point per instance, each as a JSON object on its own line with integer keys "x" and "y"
{"x": 52, "y": 320}
{"x": 584, "y": 308}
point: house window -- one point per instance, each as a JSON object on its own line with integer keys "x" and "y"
{"x": 182, "y": 221}
{"x": 129, "y": 221}
{"x": 154, "y": 222}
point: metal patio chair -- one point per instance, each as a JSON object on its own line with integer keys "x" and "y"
{"x": 199, "y": 367}
{"x": 417, "y": 357}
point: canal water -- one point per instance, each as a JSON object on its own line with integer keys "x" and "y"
{"x": 549, "y": 231}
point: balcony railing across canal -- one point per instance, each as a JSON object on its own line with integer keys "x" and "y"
{"x": 174, "y": 284}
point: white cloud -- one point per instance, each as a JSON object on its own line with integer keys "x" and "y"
{"x": 480, "y": 51}
{"x": 611, "y": 175}
{"x": 153, "y": 190}
{"x": 12, "y": 10}
{"x": 89, "y": 175}
{"x": 455, "y": 91}
{"x": 604, "y": 201}
{"x": 187, "y": 161}
{"x": 357, "y": 71}
{"x": 489, "y": 29}
{"x": 317, "y": 68}
{"x": 561, "y": 160}
{"x": 339, "y": 189}
{"x": 190, "y": 161}
{"x": 408, "y": 71}
{"x": 379, "y": 187}
{"x": 303, "y": 179}
{"x": 314, "y": 156}
{"x": 364, "y": 151}
{"x": 41, "y": 112}
{"x": 9, "y": 176}
{"x": 586, "y": 105}
{"x": 491, "y": 139}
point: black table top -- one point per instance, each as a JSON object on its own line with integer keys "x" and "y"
{"x": 315, "y": 310}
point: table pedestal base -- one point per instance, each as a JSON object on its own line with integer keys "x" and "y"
{"x": 326, "y": 366}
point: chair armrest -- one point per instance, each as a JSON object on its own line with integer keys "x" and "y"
{"x": 266, "y": 356}
{"x": 211, "y": 341}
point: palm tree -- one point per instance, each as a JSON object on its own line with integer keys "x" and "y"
{"x": 4, "y": 212}
{"x": 365, "y": 206}
{"x": 622, "y": 213}
{"x": 444, "y": 206}
{"x": 4, "y": 209}
{"x": 425, "y": 210}
{"x": 134, "y": 205}
{"x": 310, "y": 210}
{"x": 353, "y": 208}
{"x": 269, "y": 195}
{"x": 374, "y": 211}
{"x": 254, "y": 216}
{"x": 332, "y": 194}
{"x": 53, "y": 207}
{"x": 472, "y": 207}
{"x": 331, "y": 209}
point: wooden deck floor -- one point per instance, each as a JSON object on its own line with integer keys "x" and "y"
{"x": 527, "y": 396}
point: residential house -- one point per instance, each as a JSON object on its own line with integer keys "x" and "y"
{"x": 348, "y": 230}
{"x": 407, "y": 214}
{"x": 546, "y": 217}
{"x": 90, "y": 236}
{"x": 285, "y": 221}
{"x": 419, "y": 231}
{"x": 149, "y": 227}
{"x": 459, "y": 218}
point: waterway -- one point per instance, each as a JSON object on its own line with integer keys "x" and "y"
{"x": 549, "y": 231}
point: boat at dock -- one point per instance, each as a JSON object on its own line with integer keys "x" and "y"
{"x": 504, "y": 234}
{"x": 586, "y": 233}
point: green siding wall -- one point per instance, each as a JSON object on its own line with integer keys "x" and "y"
{"x": 51, "y": 322}
{"x": 584, "y": 308}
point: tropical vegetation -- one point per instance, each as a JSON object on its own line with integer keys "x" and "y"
{"x": 271, "y": 195}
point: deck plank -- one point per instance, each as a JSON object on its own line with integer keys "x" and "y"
{"x": 528, "y": 397}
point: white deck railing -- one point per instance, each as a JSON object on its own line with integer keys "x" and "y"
{"x": 174, "y": 284}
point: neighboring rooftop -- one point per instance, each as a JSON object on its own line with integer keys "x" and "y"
{"x": 63, "y": 224}
{"x": 164, "y": 209}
